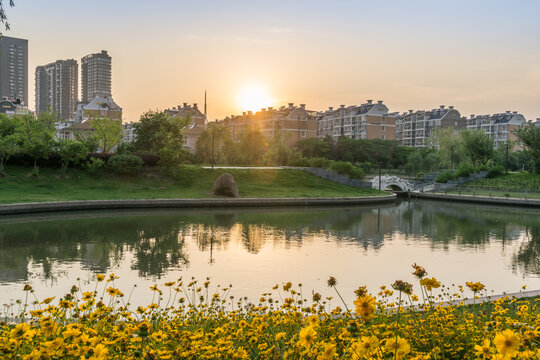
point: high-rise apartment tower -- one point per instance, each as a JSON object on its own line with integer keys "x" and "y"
{"x": 57, "y": 88}
{"x": 14, "y": 68}
{"x": 96, "y": 76}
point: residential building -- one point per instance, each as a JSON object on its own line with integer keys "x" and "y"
{"x": 197, "y": 124}
{"x": 366, "y": 121}
{"x": 101, "y": 106}
{"x": 416, "y": 128}
{"x": 14, "y": 69}
{"x": 500, "y": 127}
{"x": 292, "y": 122}
{"x": 57, "y": 88}
{"x": 129, "y": 132}
{"x": 95, "y": 76}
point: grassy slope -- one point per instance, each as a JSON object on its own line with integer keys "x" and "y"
{"x": 188, "y": 183}
{"x": 513, "y": 181}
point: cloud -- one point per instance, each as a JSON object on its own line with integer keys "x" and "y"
{"x": 279, "y": 30}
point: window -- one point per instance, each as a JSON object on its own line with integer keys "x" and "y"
{"x": 383, "y": 128}
{"x": 302, "y": 133}
{"x": 383, "y": 137}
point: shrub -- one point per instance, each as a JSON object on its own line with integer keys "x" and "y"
{"x": 300, "y": 161}
{"x": 496, "y": 171}
{"x": 445, "y": 176}
{"x": 319, "y": 162}
{"x": 464, "y": 170}
{"x": 346, "y": 168}
{"x": 420, "y": 176}
{"x": 125, "y": 164}
{"x": 149, "y": 159}
{"x": 366, "y": 166}
{"x": 93, "y": 164}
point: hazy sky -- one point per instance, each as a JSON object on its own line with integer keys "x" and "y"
{"x": 483, "y": 56}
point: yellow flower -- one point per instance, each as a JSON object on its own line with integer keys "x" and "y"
{"x": 307, "y": 336}
{"x": 507, "y": 342}
{"x": 19, "y": 330}
{"x": 313, "y": 320}
{"x": 365, "y": 307}
{"x": 475, "y": 287}
{"x": 280, "y": 336}
{"x": 483, "y": 350}
{"x": 328, "y": 353}
{"x": 99, "y": 352}
{"x": 397, "y": 346}
{"x": 368, "y": 345}
{"x": 100, "y": 277}
{"x": 430, "y": 283}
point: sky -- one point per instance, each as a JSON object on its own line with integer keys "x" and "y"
{"x": 482, "y": 56}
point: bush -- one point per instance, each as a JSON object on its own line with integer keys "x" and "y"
{"x": 300, "y": 161}
{"x": 346, "y": 168}
{"x": 445, "y": 176}
{"x": 464, "y": 170}
{"x": 420, "y": 176}
{"x": 496, "y": 171}
{"x": 93, "y": 164}
{"x": 125, "y": 164}
{"x": 366, "y": 166}
{"x": 319, "y": 162}
{"x": 149, "y": 159}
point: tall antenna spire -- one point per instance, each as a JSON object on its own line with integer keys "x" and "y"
{"x": 204, "y": 103}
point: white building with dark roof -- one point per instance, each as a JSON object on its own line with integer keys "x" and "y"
{"x": 414, "y": 128}
{"x": 500, "y": 127}
{"x": 366, "y": 121}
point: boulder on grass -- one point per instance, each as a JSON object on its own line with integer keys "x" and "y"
{"x": 226, "y": 186}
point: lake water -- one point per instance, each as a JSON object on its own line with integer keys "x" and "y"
{"x": 254, "y": 249}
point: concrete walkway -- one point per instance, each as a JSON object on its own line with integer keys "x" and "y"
{"x": 477, "y": 199}
{"x": 187, "y": 203}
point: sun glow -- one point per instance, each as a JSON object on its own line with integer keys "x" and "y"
{"x": 254, "y": 98}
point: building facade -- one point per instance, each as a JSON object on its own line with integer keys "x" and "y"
{"x": 57, "y": 88}
{"x": 500, "y": 127}
{"x": 292, "y": 122}
{"x": 101, "y": 106}
{"x": 197, "y": 124}
{"x": 95, "y": 76}
{"x": 366, "y": 121}
{"x": 416, "y": 128}
{"x": 14, "y": 69}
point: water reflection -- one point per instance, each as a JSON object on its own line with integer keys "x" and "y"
{"x": 155, "y": 242}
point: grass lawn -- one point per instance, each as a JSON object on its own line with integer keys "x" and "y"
{"x": 187, "y": 182}
{"x": 520, "y": 182}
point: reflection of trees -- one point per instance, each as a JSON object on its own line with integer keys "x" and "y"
{"x": 97, "y": 243}
{"x": 528, "y": 255}
{"x": 157, "y": 242}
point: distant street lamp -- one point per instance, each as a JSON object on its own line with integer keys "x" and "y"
{"x": 378, "y": 163}
{"x": 213, "y": 135}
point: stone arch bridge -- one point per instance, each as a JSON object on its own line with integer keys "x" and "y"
{"x": 392, "y": 182}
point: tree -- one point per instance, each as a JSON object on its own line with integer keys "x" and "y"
{"x": 279, "y": 152}
{"x": 71, "y": 152}
{"x": 9, "y": 142}
{"x": 3, "y": 16}
{"x": 163, "y": 135}
{"x": 209, "y": 146}
{"x": 529, "y": 136}
{"x": 451, "y": 148}
{"x": 36, "y": 136}
{"x": 478, "y": 146}
{"x": 254, "y": 145}
{"x": 107, "y": 133}
{"x": 9, "y": 146}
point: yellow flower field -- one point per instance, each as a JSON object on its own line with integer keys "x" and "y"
{"x": 188, "y": 321}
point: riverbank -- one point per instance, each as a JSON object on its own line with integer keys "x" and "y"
{"x": 477, "y": 198}
{"x": 189, "y": 182}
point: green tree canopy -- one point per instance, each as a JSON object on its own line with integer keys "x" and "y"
{"x": 107, "y": 133}
{"x": 529, "y": 136}
{"x": 162, "y": 134}
{"x": 478, "y": 146}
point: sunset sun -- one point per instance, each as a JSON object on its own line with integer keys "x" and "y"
{"x": 254, "y": 97}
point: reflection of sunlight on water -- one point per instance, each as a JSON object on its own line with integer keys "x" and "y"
{"x": 254, "y": 250}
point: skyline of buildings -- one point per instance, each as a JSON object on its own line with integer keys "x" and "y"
{"x": 57, "y": 88}
{"x": 14, "y": 68}
{"x": 95, "y": 75}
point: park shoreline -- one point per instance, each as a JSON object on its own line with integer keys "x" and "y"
{"x": 81, "y": 205}
{"x": 476, "y": 199}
